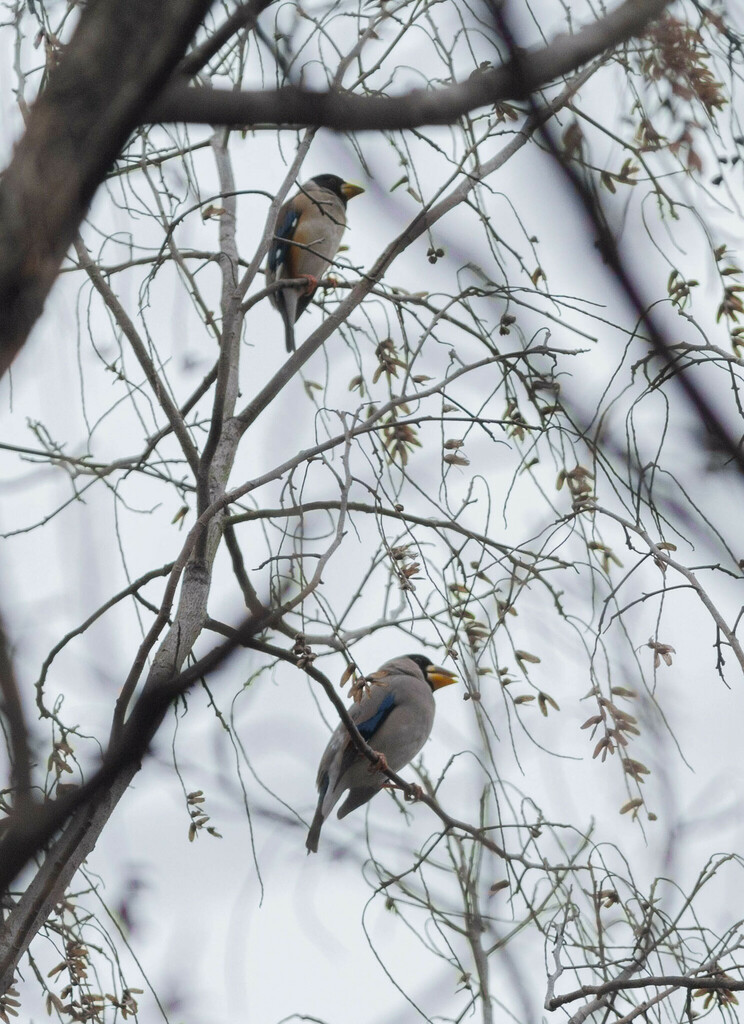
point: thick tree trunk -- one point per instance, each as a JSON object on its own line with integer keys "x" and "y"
{"x": 120, "y": 56}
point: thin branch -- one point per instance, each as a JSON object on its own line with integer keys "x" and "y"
{"x": 139, "y": 348}
{"x": 390, "y": 513}
{"x": 28, "y": 830}
{"x": 663, "y": 558}
{"x": 244, "y": 18}
{"x": 611, "y": 255}
{"x": 133, "y": 588}
{"x": 714, "y": 984}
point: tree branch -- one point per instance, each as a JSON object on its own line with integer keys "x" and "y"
{"x": 12, "y": 709}
{"x": 28, "y": 830}
{"x": 244, "y": 17}
{"x": 120, "y": 56}
{"x": 348, "y": 112}
{"x": 126, "y": 325}
{"x": 714, "y": 984}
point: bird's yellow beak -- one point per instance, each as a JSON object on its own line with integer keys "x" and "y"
{"x": 349, "y": 191}
{"x": 439, "y": 676}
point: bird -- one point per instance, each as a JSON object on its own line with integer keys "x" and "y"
{"x": 395, "y": 718}
{"x": 308, "y": 233}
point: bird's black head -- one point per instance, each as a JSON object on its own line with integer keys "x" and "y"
{"x": 422, "y": 662}
{"x": 343, "y": 189}
{"x": 435, "y": 675}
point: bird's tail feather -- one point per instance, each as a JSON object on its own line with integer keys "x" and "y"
{"x": 288, "y": 308}
{"x": 358, "y": 795}
{"x": 288, "y": 331}
{"x": 314, "y": 834}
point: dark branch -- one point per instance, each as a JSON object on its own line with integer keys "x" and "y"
{"x": 611, "y": 255}
{"x": 121, "y": 55}
{"x": 29, "y": 829}
{"x": 345, "y": 111}
{"x": 244, "y": 18}
{"x": 12, "y": 710}
{"x": 711, "y": 984}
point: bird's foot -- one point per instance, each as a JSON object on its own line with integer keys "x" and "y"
{"x": 312, "y": 283}
{"x": 380, "y": 765}
{"x": 411, "y": 792}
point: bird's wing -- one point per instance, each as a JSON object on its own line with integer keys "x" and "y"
{"x": 286, "y": 225}
{"x": 367, "y": 715}
{"x": 373, "y": 719}
{"x": 279, "y": 265}
{"x": 368, "y": 723}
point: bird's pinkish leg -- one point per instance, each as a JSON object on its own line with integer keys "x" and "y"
{"x": 380, "y": 765}
{"x": 411, "y": 792}
{"x": 312, "y": 283}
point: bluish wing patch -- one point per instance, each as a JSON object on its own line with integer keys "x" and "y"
{"x": 285, "y": 230}
{"x": 370, "y": 727}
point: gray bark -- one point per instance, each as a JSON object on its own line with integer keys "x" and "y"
{"x": 120, "y": 56}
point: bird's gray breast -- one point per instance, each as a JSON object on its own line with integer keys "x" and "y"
{"x": 402, "y": 735}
